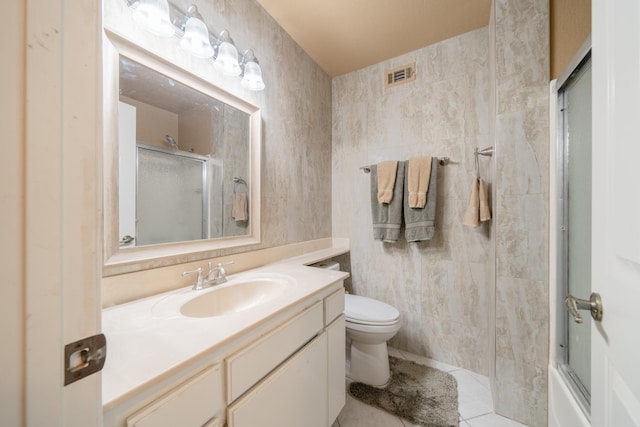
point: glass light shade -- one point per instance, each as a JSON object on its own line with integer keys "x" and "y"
{"x": 252, "y": 79}
{"x": 227, "y": 60}
{"x": 196, "y": 39}
{"x": 153, "y": 16}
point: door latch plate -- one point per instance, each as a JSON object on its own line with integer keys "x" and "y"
{"x": 84, "y": 357}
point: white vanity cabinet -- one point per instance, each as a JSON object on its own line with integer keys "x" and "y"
{"x": 287, "y": 371}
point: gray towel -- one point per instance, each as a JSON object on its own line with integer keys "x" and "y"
{"x": 420, "y": 223}
{"x": 387, "y": 217}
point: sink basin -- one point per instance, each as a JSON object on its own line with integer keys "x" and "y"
{"x": 234, "y": 297}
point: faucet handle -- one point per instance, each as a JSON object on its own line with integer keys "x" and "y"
{"x": 198, "y": 280}
{"x": 219, "y": 273}
{"x": 219, "y": 266}
{"x": 223, "y": 271}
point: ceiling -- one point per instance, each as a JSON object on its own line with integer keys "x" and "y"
{"x": 347, "y": 35}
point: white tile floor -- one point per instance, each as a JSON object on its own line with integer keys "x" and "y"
{"x": 474, "y": 402}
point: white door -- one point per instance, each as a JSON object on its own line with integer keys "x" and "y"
{"x": 62, "y": 256}
{"x": 615, "y": 351}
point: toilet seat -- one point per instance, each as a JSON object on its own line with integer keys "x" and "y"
{"x": 368, "y": 311}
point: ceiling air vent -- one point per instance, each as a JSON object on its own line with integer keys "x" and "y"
{"x": 404, "y": 74}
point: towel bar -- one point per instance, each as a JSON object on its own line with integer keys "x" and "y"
{"x": 443, "y": 161}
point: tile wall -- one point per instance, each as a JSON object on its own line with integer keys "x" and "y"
{"x": 521, "y": 84}
{"x": 439, "y": 286}
{"x": 474, "y": 298}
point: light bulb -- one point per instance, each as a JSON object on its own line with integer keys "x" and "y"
{"x": 227, "y": 60}
{"x": 196, "y": 39}
{"x": 252, "y": 78}
{"x": 153, "y": 16}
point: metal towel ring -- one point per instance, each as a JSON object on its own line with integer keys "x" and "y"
{"x": 238, "y": 181}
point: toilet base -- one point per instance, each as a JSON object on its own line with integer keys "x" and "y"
{"x": 369, "y": 364}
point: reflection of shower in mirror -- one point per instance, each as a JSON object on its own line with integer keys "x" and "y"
{"x": 172, "y": 142}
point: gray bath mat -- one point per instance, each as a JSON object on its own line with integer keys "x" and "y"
{"x": 418, "y": 393}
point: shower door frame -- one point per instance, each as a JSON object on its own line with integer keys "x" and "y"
{"x": 579, "y": 392}
{"x": 204, "y": 226}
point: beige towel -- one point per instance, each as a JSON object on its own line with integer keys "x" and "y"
{"x": 472, "y": 214}
{"x": 239, "y": 210}
{"x": 483, "y": 195}
{"x": 418, "y": 181}
{"x": 386, "y": 180}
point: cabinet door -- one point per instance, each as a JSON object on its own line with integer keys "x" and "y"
{"x": 189, "y": 405}
{"x": 295, "y": 394}
{"x": 336, "y": 367}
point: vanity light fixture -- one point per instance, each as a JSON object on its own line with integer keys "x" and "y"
{"x": 251, "y": 72}
{"x": 226, "y": 59}
{"x": 156, "y": 16}
{"x": 153, "y": 15}
{"x": 196, "y": 35}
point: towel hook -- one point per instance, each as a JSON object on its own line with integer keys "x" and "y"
{"x": 475, "y": 152}
{"x": 484, "y": 152}
{"x": 238, "y": 180}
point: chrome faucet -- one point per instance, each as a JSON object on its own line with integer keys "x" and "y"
{"x": 200, "y": 284}
{"x": 217, "y": 274}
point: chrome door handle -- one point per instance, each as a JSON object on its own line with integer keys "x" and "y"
{"x": 594, "y": 305}
{"x": 126, "y": 239}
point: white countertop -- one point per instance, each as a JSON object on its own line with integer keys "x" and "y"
{"x": 149, "y": 339}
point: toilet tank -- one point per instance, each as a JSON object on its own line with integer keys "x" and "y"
{"x": 329, "y": 265}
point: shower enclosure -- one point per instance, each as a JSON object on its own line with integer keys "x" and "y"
{"x": 172, "y": 196}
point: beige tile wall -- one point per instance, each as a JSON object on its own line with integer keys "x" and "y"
{"x": 471, "y": 298}
{"x": 440, "y": 286}
{"x": 521, "y": 82}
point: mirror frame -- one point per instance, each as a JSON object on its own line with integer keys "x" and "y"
{"x": 118, "y": 260}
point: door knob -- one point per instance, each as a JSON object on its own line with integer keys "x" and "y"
{"x": 594, "y": 305}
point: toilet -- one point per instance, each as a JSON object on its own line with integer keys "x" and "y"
{"x": 369, "y": 325}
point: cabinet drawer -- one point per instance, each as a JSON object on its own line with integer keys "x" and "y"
{"x": 193, "y": 403}
{"x": 333, "y": 306}
{"x": 248, "y": 366}
{"x": 293, "y": 395}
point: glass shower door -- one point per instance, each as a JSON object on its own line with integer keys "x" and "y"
{"x": 169, "y": 197}
{"x": 575, "y": 230}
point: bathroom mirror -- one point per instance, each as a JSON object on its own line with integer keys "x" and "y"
{"x": 181, "y": 163}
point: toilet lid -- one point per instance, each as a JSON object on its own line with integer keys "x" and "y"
{"x": 369, "y": 311}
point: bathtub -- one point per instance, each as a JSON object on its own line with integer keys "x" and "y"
{"x": 564, "y": 411}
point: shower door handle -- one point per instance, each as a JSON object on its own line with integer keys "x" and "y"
{"x": 126, "y": 240}
{"x": 594, "y": 305}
